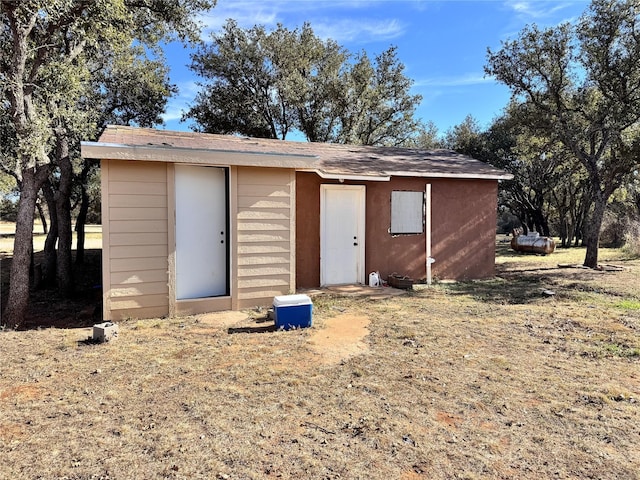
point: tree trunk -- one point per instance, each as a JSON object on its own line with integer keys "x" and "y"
{"x": 570, "y": 234}
{"x": 82, "y": 214}
{"x": 50, "y": 253}
{"x": 18, "y": 300}
{"x": 80, "y": 223}
{"x": 32, "y": 161}
{"x": 43, "y": 218}
{"x": 592, "y": 234}
{"x": 563, "y": 232}
{"x": 544, "y": 225}
{"x": 64, "y": 267}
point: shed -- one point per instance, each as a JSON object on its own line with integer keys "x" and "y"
{"x": 197, "y": 222}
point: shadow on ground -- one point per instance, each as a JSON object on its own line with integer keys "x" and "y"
{"x": 513, "y": 286}
{"x": 48, "y": 309}
{"x": 259, "y": 325}
{"x": 501, "y": 292}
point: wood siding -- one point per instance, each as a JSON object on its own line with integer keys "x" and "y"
{"x": 135, "y": 245}
{"x": 265, "y": 248}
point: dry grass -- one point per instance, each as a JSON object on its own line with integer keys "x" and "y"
{"x": 492, "y": 379}
{"x": 93, "y": 237}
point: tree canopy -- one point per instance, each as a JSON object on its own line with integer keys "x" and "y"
{"x": 268, "y": 84}
{"x": 580, "y": 85}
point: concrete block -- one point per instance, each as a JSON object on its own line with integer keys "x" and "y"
{"x": 105, "y": 332}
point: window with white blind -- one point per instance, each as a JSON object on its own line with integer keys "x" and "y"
{"x": 407, "y": 212}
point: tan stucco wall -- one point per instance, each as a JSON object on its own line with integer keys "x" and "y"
{"x": 265, "y": 234}
{"x": 139, "y": 241}
{"x": 134, "y": 236}
{"x": 462, "y": 231}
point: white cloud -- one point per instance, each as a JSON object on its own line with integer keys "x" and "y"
{"x": 179, "y": 104}
{"x": 362, "y": 30}
{"x": 325, "y": 18}
{"x": 245, "y": 17}
{"x": 463, "y": 80}
{"x": 523, "y": 8}
{"x": 544, "y": 13}
{"x": 531, "y": 10}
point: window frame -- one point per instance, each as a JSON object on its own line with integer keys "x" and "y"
{"x": 407, "y": 224}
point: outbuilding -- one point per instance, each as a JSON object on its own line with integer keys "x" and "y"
{"x": 196, "y": 222}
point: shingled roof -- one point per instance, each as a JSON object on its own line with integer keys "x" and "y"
{"x": 327, "y": 159}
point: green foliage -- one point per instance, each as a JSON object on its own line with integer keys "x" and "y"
{"x": 8, "y": 203}
{"x": 427, "y": 137}
{"x": 79, "y": 64}
{"x": 308, "y": 72}
{"x": 378, "y": 109}
{"x": 549, "y": 192}
{"x": 94, "y": 214}
{"x": 242, "y": 95}
{"x": 628, "y": 305}
{"x": 7, "y": 184}
{"x": 466, "y": 138}
{"x": 266, "y": 84}
{"x": 8, "y": 209}
{"x": 616, "y": 350}
{"x": 127, "y": 88}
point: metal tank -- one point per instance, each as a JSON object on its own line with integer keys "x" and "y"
{"x": 533, "y": 243}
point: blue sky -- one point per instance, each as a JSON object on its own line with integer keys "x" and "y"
{"x": 442, "y": 44}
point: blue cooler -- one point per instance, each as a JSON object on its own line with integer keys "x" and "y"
{"x": 292, "y": 311}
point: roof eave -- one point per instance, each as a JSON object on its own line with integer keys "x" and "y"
{"x": 386, "y": 176}
{"x": 203, "y": 156}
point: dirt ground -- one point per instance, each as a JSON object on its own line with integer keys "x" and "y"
{"x": 532, "y": 374}
{"x": 341, "y": 338}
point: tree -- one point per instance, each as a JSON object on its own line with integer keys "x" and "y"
{"x": 378, "y": 108}
{"x": 570, "y": 198}
{"x": 8, "y": 190}
{"x": 242, "y": 96}
{"x": 426, "y": 138}
{"x": 466, "y": 137}
{"x": 267, "y": 84}
{"x": 126, "y": 88}
{"x": 308, "y": 72}
{"x": 579, "y": 85}
{"x": 508, "y": 146}
{"x": 549, "y": 192}
{"x": 45, "y": 51}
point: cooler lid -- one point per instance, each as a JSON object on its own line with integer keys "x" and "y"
{"x": 299, "y": 299}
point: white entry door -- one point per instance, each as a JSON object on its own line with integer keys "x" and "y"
{"x": 201, "y": 232}
{"x": 342, "y": 232}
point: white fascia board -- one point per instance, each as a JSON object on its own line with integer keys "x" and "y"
{"x": 195, "y": 156}
{"x": 386, "y": 178}
{"x": 467, "y": 176}
{"x": 347, "y": 176}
